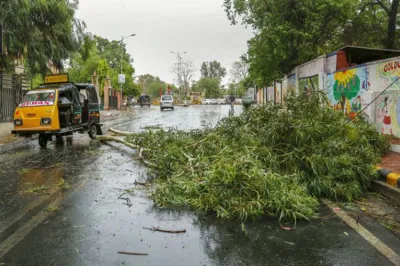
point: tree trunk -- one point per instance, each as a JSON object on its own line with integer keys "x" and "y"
{"x": 391, "y": 34}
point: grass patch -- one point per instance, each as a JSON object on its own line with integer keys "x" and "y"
{"x": 52, "y": 209}
{"x": 38, "y": 190}
{"x": 63, "y": 184}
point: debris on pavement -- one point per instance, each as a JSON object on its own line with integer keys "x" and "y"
{"x": 287, "y": 228}
{"x": 155, "y": 229}
{"x": 133, "y": 253}
{"x": 52, "y": 209}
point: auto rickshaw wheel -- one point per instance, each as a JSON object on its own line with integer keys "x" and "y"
{"x": 43, "y": 139}
{"x": 93, "y": 131}
{"x": 59, "y": 139}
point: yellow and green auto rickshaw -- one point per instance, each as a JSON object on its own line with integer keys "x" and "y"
{"x": 58, "y": 108}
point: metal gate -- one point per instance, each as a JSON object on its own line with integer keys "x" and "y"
{"x": 11, "y": 93}
{"x": 113, "y": 101}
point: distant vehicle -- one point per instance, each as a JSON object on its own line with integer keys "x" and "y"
{"x": 206, "y": 101}
{"x": 221, "y": 101}
{"x": 167, "y": 102}
{"x": 210, "y": 101}
{"x": 144, "y": 100}
{"x": 238, "y": 101}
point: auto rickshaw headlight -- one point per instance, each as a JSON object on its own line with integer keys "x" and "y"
{"x": 18, "y": 122}
{"x": 46, "y": 121}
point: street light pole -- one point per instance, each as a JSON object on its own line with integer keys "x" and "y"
{"x": 122, "y": 54}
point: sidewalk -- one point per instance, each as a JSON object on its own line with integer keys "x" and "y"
{"x": 391, "y": 161}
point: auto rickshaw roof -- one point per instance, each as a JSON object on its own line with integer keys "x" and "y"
{"x": 65, "y": 86}
{"x": 56, "y": 86}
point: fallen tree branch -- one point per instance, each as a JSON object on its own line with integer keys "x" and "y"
{"x": 154, "y": 229}
{"x": 140, "y": 183}
{"x": 109, "y": 138}
{"x": 119, "y": 132}
{"x": 132, "y": 253}
{"x": 130, "y": 145}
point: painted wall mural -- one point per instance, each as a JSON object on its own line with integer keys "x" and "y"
{"x": 387, "y": 113}
{"x": 346, "y": 89}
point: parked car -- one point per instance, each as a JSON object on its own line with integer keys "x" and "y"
{"x": 221, "y": 101}
{"x": 167, "y": 102}
{"x": 206, "y": 101}
{"x": 214, "y": 101}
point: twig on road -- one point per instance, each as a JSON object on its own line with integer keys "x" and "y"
{"x": 154, "y": 229}
{"x": 119, "y": 132}
{"x": 140, "y": 183}
{"x": 109, "y": 138}
{"x": 133, "y": 253}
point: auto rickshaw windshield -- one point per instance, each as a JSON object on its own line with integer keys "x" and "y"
{"x": 38, "y": 98}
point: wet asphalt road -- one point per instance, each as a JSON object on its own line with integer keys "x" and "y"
{"x": 94, "y": 220}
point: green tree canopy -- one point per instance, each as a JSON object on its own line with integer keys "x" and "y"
{"x": 210, "y": 86}
{"x": 291, "y": 32}
{"x": 151, "y": 85}
{"x": 41, "y": 32}
{"x": 104, "y": 58}
{"x": 213, "y": 70}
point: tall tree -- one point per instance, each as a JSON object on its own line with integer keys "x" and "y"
{"x": 213, "y": 70}
{"x": 105, "y": 59}
{"x": 290, "y": 32}
{"x": 210, "y": 86}
{"x": 184, "y": 72}
{"x": 42, "y": 32}
{"x": 240, "y": 69}
{"x": 391, "y": 9}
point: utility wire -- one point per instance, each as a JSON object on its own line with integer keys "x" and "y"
{"x": 382, "y": 92}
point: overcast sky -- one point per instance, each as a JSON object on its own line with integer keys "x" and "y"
{"x": 199, "y": 27}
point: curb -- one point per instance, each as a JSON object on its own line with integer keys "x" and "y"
{"x": 388, "y": 191}
{"x": 391, "y": 178}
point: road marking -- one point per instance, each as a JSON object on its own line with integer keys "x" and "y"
{"x": 42, "y": 215}
{"x": 367, "y": 235}
{"x": 5, "y": 225}
{"x": 22, "y": 232}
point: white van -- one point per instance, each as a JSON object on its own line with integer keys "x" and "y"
{"x": 167, "y": 102}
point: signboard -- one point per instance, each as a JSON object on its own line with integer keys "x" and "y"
{"x": 251, "y": 93}
{"x": 58, "y": 78}
{"x": 37, "y": 103}
{"x": 121, "y": 78}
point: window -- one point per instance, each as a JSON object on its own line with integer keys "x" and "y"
{"x": 167, "y": 98}
{"x": 38, "y": 98}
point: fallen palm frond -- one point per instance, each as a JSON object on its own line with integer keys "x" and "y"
{"x": 275, "y": 159}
